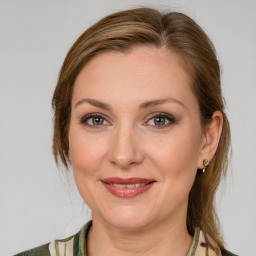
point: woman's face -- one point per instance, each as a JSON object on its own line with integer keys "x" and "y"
{"x": 135, "y": 137}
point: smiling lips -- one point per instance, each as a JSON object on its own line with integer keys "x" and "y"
{"x": 127, "y": 188}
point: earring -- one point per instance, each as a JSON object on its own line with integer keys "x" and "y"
{"x": 205, "y": 163}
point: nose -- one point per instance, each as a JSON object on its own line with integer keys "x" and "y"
{"x": 125, "y": 151}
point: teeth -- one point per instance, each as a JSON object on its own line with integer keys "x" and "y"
{"x": 119, "y": 185}
{"x": 135, "y": 185}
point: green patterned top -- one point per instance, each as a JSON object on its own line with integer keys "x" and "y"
{"x": 76, "y": 246}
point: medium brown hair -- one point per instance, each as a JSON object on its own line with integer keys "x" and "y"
{"x": 175, "y": 31}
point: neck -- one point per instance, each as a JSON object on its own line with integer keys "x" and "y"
{"x": 165, "y": 238}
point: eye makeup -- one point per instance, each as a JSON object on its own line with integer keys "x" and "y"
{"x": 158, "y": 120}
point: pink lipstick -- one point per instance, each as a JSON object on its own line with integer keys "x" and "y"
{"x": 127, "y": 188}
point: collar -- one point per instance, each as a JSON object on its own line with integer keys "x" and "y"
{"x": 193, "y": 251}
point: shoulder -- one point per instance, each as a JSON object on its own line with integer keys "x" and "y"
{"x": 227, "y": 253}
{"x": 73, "y": 246}
{"x": 56, "y": 247}
{"x": 202, "y": 248}
{"x": 38, "y": 251}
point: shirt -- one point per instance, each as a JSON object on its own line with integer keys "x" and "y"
{"x": 76, "y": 246}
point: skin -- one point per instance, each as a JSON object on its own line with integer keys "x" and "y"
{"x": 129, "y": 142}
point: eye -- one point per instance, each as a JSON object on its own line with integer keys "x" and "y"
{"x": 161, "y": 120}
{"x": 93, "y": 120}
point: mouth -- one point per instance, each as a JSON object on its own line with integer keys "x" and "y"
{"x": 127, "y": 188}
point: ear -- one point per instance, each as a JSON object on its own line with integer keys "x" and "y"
{"x": 211, "y": 139}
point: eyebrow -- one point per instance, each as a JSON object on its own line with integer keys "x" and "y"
{"x": 96, "y": 103}
{"x": 144, "y": 105}
{"x": 153, "y": 103}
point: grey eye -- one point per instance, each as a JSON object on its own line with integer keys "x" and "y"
{"x": 159, "y": 120}
{"x": 96, "y": 120}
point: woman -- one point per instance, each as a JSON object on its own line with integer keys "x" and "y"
{"x": 139, "y": 116}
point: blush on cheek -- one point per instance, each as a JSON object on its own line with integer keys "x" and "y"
{"x": 86, "y": 155}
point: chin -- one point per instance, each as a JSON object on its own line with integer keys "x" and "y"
{"x": 129, "y": 224}
{"x": 129, "y": 219}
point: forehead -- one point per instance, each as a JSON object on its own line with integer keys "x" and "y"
{"x": 141, "y": 73}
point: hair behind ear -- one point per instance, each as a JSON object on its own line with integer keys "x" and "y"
{"x": 212, "y": 133}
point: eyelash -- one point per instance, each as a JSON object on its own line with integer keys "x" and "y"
{"x": 170, "y": 119}
{"x": 84, "y": 120}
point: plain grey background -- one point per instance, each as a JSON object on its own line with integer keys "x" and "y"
{"x": 39, "y": 202}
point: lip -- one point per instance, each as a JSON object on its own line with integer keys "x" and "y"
{"x": 118, "y": 186}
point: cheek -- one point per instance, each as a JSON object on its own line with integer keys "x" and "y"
{"x": 177, "y": 149}
{"x": 86, "y": 153}
{"x": 176, "y": 156}
{"x": 176, "y": 161}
